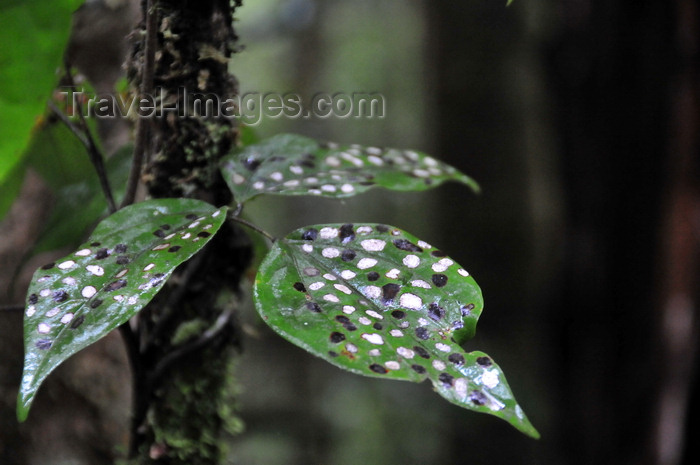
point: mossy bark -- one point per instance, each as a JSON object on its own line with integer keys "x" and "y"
{"x": 187, "y": 336}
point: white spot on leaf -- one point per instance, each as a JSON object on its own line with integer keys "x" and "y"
{"x": 364, "y": 320}
{"x": 330, "y": 252}
{"x": 308, "y": 248}
{"x": 348, "y": 309}
{"x": 411, "y": 261}
{"x": 342, "y": 288}
{"x": 331, "y": 298}
{"x": 347, "y": 274}
{"x": 83, "y": 252}
{"x": 65, "y": 319}
{"x": 438, "y": 364}
{"x": 405, "y": 353}
{"x": 442, "y": 347}
{"x": 374, "y": 314}
{"x": 31, "y": 310}
{"x": 53, "y": 312}
{"x": 420, "y": 283}
{"x": 95, "y": 269}
{"x": 463, "y": 272}
{"x": 490, "y": 379}
{"x": 373, "y": 338}
{"x": 411, "y": 301}
{"x": 328, "y": 233}
{"x": 365, "y": 263}
{"x": 317, "y": 285}
{"x": 392, "y": 365}
{"x": 43, "y": 328}
{"x": 373, "y": 292}
{"x": 352, "y": 348}
{"x": 393, "y": 273}
{"x": 67, "y": 264}
{"x": 373, "y": 245}
{"x": 396, "y": 333}
{"x": 88, "y": 291}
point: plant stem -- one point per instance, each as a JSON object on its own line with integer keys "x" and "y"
{"x": 253, "y": 227}
{"x": 143, "y": 126}
{"x": 85, "y": 137}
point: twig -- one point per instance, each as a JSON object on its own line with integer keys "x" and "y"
{"x": 85, "y": 137}
{"x": 209, "y": 335}
{"x": 143, "y": 127}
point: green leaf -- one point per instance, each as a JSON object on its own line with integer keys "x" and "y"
{"x": 80, "y": 205}
{"x": 33, "y": 35}
{"x": 377, "y": 301}
{"x": 290, "y": 164}
{"x": 80, "y": 298}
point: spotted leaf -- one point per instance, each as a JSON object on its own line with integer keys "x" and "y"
{"x": 377, "y": 301}
{"x": 289, "y": 164}
{"x": 78, "y": 299}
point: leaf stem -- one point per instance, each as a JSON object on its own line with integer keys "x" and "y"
{"x": 143, "y": 126}
{"x": 253, "y": 227}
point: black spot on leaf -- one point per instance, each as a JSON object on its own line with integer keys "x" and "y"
{"x": 446, "y": 378}
{"x": 456, "y": 358}
{"x": 48, "y": 266}
{"x": 457, "y": 325}
{"x": 101, "y": 254}
{"x": 439, "y": 280}
{"x": 435, "y": 311}
{"x": 422, "y": 333}
{"x": 422, "y": 352}
{"x": 382, "y": 228}
{"x": 203, "y": 234}
{"x": 299, "y": 287}
{"x": 332, "y": 353}
{"x": 372, "y": 276}
{"x": 95, "y": 244}
{"x": 122, "y": 260}
{"x": 467, "y": 309}
{"x": 346, "y": 233}
{"x": 96, "y": 303}
{"x": 310, "y": 234}
{"x": 43, "y": 344}
{"x": 389, "y": 291}
{"x": 337, "y": 337}
{"x": 115, "y": 285}
{"x": 33, "y": 298}
{"x": 484, "y": 361}
{"x": 398, "y": 314}
{"x": 377, "y": 326}
{"x": 191, "y": 216}
{"x": 159, "y": 233}
{"x": 174, "y": 248}
{"x": 348, "y": 255}
{"x": 313, "y": 306}
{"x": 438, "y": 253}
{"x": 478, "y": 398}
{"x": 60, "y": 296}
{"x": 408, "y": 246}
{"x": 418, "y": 369}
{"x": 121, "y": 248}
{"x": 342, "y": 319}
{"x": 251, "y": 164}
{"x": 77, "y": 322}
{"x": 375, "y": 367}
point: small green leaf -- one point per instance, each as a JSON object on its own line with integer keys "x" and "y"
{"x": 290, "y": 164}
{"x": 377, "y": 301}
{"x": 80, "y": 298}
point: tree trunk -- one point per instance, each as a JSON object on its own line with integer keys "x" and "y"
{"x": 182, "y": 410}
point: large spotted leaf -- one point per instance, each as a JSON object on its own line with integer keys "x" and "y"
{"x": 289, "y": 164}
{"x": 78, "y": 299}
{"x": 377, "y": 301}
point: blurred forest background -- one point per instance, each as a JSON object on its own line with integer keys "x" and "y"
{"x": 581, "y": 121}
